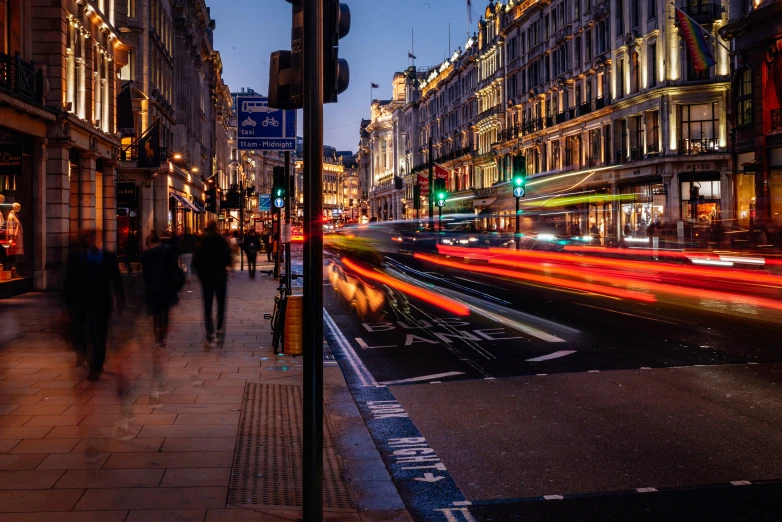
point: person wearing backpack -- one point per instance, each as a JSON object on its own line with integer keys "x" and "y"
{"x": 163, "y": 279}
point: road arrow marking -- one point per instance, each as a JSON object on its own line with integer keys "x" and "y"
{"x": 555, "y": 355}
{"x": 429, "y": 477}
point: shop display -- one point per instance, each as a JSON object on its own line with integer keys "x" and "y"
{"x": 11, "y": 239}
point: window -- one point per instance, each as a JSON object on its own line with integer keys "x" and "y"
{"x": 620, "y": 17}
{"x": 651, "y": 9}
{"x": 635, "y": 7}
{"x": 651, "y": 60}
{"x": 577, "y": 10}
{"x": 578, "y": 60}
{"x": 635, "y": 68}
{"x": 744, "y": 98}
{"x": 653, "y": 131}
{"x": 132, "y": 8}
{"x": 588, "y": 46}
{"x": 699, "y": 128}
{"x": 620, "y": 78}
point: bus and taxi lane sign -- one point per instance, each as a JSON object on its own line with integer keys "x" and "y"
{"x": 260, "y": 127}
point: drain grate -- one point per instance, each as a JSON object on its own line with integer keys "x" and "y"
{"x": 267, "y": 467}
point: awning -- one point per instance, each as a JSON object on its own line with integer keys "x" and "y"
{"x": 200, "y": 207}
{"x": 186, "y": 204}
{"x": 499, "y": 205}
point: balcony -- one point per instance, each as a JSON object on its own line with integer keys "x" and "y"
{"x": 699, "y": 146}
{"x": 703, "y": 12}
{"x": 652, "y": 148}
{"x": 561, "y": 117}
{"x": 636, "y": 154}
{"x": 21, "y": 79}
{"x": 570, "y": 113}
{"x": 562, "y": 34}
{"x": 621, "y": 156}
{"x": 600, "y": 102}
{"x": 453, "y": 155}
{"x": 776, "y": 120}
{"x": 549, "y": 121}
{"x": 488, "y": 112}
{"x": 585, "y": 108}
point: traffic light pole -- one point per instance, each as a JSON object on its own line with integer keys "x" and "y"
{"x": 313, "y": 260}
{"x": 288, "y": 219}
{"x": 241, "y": 228}
{"x": 518, "y": 225}
{"x": 431, "y": 185}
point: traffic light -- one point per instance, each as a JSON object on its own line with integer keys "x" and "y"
{"x": 336, "y": 72}
{"x": 441, "y": 195}
{"x": 279, "y": 185}
{"x": 519, "y": 175}
{"x": 416, "y": 197}
{"x": 211, "y": 200}
{"x": 286, "y": 74}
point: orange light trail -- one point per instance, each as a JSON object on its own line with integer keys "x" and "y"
{"x": 419, "y": 293}
{"x": 546, "y": 280}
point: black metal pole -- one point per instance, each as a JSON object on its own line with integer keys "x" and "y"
{"x": 288, "y": 219}
{"x": 276, "y": 217}
{"x": 431, "y": 185}
{"x": 241, "y": 227}
{"x": 440, "y": 218}
{"x": 518, "y": 226}
{"x": 313, "y": 260}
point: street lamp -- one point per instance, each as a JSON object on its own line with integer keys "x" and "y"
{"x": 177, "y": 156}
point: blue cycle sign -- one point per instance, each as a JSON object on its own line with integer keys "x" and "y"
{"x": 518, "y": 192}
{"x": 261, "y": 127}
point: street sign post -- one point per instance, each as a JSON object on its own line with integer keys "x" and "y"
{"x": 261, "y": 127}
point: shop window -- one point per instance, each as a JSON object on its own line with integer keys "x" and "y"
{"x": 745, "y": 199}
{"x": 744, "y": 98}
{"x": 646, "y": 206}
{"x": 707, "y": 208}
{"x": 775, "y": 193}
{"x": 699, "y": 128}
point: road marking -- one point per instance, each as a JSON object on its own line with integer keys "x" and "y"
{"x": 553, "y": 497}
{"x": 489, "y": 378}
{"x": 358, "y": 366}
{"x": 593, "y": 371}
{"x": 450, "y": 515}
{"x": 436, "y": 382}
{"x": 429, "y": 477}
{"x": 646, "y": 490}
{"x": 365, "y": 346}
{"x": 462, "y": 503}
{"x": 741, "y": 483}
{"x": 631, "y": 315}
{"x": 423, "y": 378}
{"x": 555, "y": 355}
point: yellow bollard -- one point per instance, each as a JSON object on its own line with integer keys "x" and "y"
{"x": 293, "y": 340}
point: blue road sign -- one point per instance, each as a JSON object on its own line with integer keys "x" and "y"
{"x": 260, "y": 127}
{"x": 279, "y": 202}
{"x": 518, "y": 192}
{"x": 264, "y": 202}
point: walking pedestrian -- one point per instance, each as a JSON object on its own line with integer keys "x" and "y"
{"x": 269, "y": 240}
{"x": 93, "y": 288}
{"x": 251, "y": 246}
{"x": 187, "y": 248}
{"x": 211, "y": 260}
{"x": 163, "y": 279}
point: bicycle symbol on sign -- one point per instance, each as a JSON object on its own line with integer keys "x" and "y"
{"x": 270, "y": 121}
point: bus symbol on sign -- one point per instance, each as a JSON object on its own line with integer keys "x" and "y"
{"x": 518, "y": 192}
{"x": 279, "y": 202}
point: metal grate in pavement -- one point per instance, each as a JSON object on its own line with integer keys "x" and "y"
{"x": 267, "y": 466}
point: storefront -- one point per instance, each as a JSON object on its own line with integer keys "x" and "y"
{"x": 708, "y": 188}
{"x": 127, "y": 220}
{"x": 16, "y": 209}
{"x": 641, "y": 206}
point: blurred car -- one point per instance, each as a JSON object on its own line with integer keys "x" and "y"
{"x": 297, "y": 235}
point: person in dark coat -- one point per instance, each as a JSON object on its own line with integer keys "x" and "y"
{"x": 93, "y": 288}
{"x": 269, "y": 243}
{"x": 252, "y": 244}
{"x": 211, "y": 260}
{"x": 162, "y": 280}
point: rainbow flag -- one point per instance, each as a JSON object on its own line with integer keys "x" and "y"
{"x": 698, "y": 48}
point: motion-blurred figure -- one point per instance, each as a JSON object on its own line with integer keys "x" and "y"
{"x": 187, "y": 247}
{"x": 163, "y": 279}
{"x": 252, "y": 245}
{"x": 93, "y": 288}
{"x": 211, "y": 260}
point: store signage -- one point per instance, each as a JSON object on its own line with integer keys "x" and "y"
{"x": 423, "y": 182}
{"x": 10, "y": 159}
{"x": 126, "y": 194}
{"x": 490, "y": 192}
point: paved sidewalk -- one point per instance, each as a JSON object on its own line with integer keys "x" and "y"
{"x": 72, "y": 450}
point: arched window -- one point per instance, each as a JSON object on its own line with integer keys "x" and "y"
{"x": 744, "y": 97}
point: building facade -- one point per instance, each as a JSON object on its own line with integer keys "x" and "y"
{"x": 601, "y": 99}
{"x": 755, "y": 30}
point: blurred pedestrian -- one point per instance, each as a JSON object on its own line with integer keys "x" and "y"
{"x": 233, "y": 243}
{"x": 186, "y": 255}
{"x": 251, "y": 245}
{"x": 93, "y": 288}
{"x": 163, "y": 279}
{"x": 211, "y": 259}
{"x": 269, "y": 242}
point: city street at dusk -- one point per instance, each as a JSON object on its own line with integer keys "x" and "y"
{"x": 366, "y": 261}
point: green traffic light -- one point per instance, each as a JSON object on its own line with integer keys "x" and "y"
{"x": 518, "y": 181}
{"x": 441, "y": 196}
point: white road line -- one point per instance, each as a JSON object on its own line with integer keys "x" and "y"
{"x": 646, "y": 490}
{"x": 555, "y": 355}
{"x": 462, "y": 503}
{"x": 741, "y": 482}
{"x": 423, "y": 378}
{"x": 358, "y": 366}
{"x": 553, "y": 497}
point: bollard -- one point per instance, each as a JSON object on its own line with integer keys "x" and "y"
{"x": 293, "y": 336}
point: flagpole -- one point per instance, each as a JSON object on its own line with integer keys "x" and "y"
{"x": 412, "y": 38}
{"x": 705, "y": 33}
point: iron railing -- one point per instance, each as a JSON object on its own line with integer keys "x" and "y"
{"x": 636, "y": 154}
{"x": 699, "y": 146}
{"x": 621, "y": 156}
{"x": 453, "y": 155}
{"x": 131, "y": 153}
{"x": 703, "y": 12}
{"x": 21, "y": 78}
